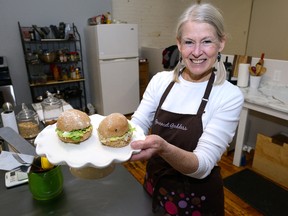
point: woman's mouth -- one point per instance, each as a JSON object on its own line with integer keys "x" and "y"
{"x": 197, "y": 61}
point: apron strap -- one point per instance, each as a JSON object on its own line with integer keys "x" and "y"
{"x": 206, "y": 94}
{"x": 166, "y": 92}
{"x": 163, "y": 99}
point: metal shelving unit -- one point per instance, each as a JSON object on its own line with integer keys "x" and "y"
{"x": 69, "y": 82}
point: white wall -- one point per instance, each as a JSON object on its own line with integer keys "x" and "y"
{"x": 154, "y": 57}
{"x": 40, "y": 13}
{"x": 157, "y": 20}
{"x": 268, "y": 29}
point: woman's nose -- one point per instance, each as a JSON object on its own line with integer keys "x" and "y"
{"x": 197, "y": 50}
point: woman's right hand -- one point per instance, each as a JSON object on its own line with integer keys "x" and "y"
{"x": 184, "y": 161}
{"x": 152, "y": 145}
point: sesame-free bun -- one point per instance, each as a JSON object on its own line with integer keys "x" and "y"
{"x": 114, "y": 131}
{"x": 73, "y": 120}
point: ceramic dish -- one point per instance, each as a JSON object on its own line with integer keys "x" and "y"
{"x": 90, "y": 153}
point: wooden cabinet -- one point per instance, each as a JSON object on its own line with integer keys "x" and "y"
{"x": 270, "y": 158}
{"x": 62, "y": 71}
{"x": 143, "y": 77}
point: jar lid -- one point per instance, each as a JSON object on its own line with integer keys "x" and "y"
{"x": 51, "y": 100}
{"x": 26, "y": 113}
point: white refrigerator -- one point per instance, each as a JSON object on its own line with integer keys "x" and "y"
{"x": 113, "y": 67}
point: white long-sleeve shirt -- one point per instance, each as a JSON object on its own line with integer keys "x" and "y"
{"x": 220, "y": 119}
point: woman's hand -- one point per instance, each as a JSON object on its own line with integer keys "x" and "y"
{"x": 152, "y": 145}
{"x": 179, "y": 159}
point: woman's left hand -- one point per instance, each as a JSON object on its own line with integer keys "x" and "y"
{"x": 152, "y": 145}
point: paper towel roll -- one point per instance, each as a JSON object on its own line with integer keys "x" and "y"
{"x": 243, "y": 75}
{"x": 9, "y": 120}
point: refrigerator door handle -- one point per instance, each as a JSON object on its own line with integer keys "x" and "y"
{"x": 117, "y": 60}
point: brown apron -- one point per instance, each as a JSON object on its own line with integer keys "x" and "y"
{"x": 172, "y": 191}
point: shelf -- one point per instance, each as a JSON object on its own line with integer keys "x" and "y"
{"x": 72, "y": 49}
{"x": 56, "y": 82}
{"x": 50, "y": 41}
{"x": 56, "y": 62}
{"x": 56, "y": 40}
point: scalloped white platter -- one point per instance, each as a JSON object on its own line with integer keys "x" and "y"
{"x": 90, "y": 153}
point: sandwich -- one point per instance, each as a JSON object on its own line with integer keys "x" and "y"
{"x": 115, "y": 130}
{"x": 73, "y": 126}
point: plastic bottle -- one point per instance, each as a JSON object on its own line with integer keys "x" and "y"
{"x": 108, "y": 18}
{"x": 67, "y": 31}
{"x": 77, "y": 76}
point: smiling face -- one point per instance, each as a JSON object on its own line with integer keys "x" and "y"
{"x": 199, "y": 47}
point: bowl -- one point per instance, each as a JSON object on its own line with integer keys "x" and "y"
{"x": 48, "y": 57}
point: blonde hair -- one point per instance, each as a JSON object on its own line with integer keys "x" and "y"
{"x": 203, "y": 13}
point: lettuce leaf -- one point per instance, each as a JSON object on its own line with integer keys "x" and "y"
{"x": 75, "y": 135}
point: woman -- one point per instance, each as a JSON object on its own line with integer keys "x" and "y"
{"x": 193, "y": 113}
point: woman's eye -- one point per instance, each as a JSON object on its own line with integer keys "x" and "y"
{"x": 188, "y": 42}
{"x": 207, "y": 42}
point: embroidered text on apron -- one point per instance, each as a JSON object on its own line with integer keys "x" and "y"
{"x": 179, "y": 194}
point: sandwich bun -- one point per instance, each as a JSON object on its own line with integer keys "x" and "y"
{"x": 73, "y": 126}
{"x": 115, "y": 131}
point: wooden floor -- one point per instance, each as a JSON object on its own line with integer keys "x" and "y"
{"x": 233, "y": 204}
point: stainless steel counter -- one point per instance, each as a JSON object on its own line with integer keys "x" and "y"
{"x": 116, "y": 194}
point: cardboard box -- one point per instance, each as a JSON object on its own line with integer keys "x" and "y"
{"x": 271, "y": 160}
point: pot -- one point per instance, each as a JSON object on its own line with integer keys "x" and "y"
{"x": 48, "y": 57}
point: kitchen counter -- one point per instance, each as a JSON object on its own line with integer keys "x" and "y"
{"x": 116, "y": 194}
{"x": 269, "y": 96}
{"x": 270, "y": 99}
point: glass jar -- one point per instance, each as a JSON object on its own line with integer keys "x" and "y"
{"x": 28, "y": 123}
{"x": 52, "y": 107}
